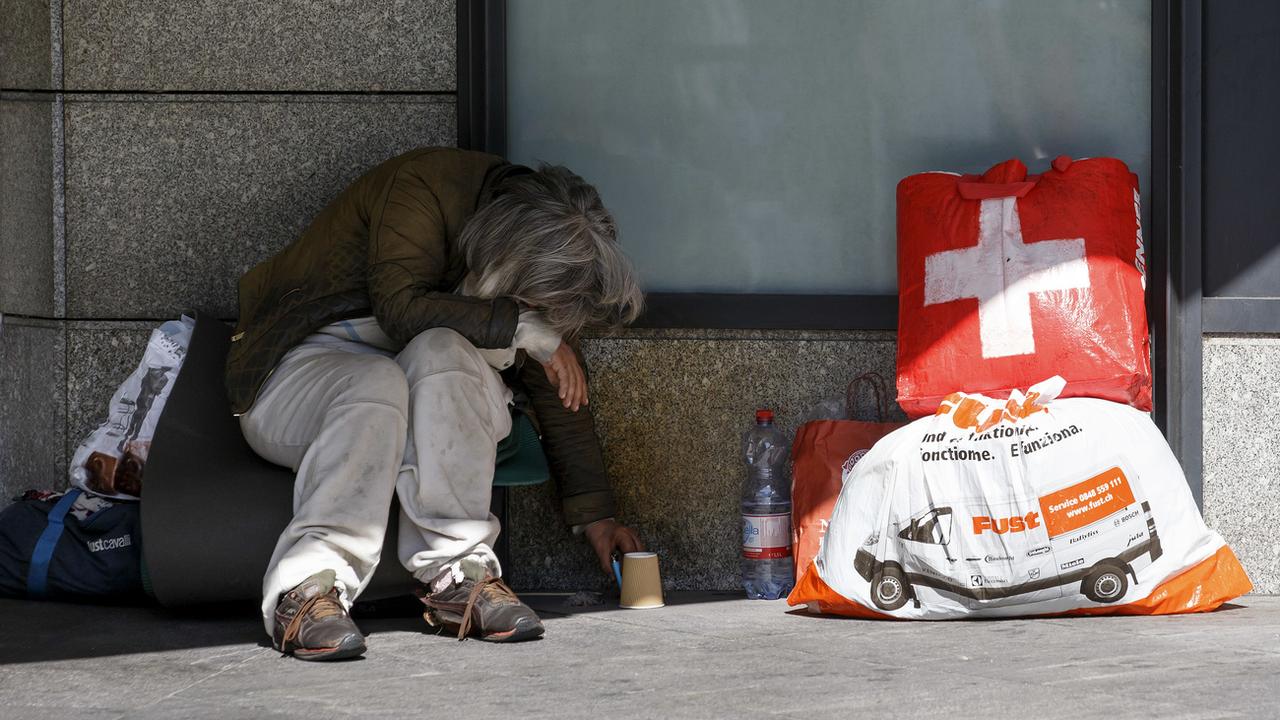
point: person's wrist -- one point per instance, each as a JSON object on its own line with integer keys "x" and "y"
{"x": 589, "y": 529}
{"x": 535, "y": 336}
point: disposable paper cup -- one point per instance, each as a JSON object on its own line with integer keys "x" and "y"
{"x": 641, "y": 583}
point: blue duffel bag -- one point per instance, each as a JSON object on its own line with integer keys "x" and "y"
{"x": 71, "y": 547}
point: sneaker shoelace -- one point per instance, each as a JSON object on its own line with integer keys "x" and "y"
{"x": 492, "y": 588}
{"x": 319, "y": 607}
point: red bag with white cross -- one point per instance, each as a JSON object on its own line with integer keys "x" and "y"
{"x": 1005, "y": 278}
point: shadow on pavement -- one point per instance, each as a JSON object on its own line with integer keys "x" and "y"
{"x": 548, "y": 605}
{"x": 43, "y": 631}
{"x": 551, "y": 606}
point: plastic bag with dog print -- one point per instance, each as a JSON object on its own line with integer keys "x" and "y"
{"x": 109, "y": 462}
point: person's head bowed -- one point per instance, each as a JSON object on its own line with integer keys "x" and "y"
{"x": 547, "y": 241}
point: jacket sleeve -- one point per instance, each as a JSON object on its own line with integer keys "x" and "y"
{"x": 408, "y": 255}
{"x": 572, "y": 447}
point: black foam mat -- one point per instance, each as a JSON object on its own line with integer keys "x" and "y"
{"x": 212, "y": 509}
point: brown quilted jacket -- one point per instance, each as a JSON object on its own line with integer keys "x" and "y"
{"x": 387, "y": 247}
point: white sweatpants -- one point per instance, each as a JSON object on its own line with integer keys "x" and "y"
{"x": 357, "y": 425}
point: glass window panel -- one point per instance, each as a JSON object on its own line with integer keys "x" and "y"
{"x": 755, "y": 145}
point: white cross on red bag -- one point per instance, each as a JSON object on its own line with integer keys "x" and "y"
{"x": 1005, "y": 279}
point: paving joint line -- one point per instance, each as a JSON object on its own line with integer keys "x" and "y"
{"x": 253, "y": 653}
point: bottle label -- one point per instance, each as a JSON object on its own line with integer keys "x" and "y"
{"x": 766, "y": 537}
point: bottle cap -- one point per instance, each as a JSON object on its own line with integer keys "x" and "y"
{"x": 763, "y": 415}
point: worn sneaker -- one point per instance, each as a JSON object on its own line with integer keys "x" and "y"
{"x": 484, "y": 607}
{"x": 313, "y": 624}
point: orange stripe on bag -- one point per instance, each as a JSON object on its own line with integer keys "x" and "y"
{"x": 1201, "y": 588}
{"x": 812, "y": 589}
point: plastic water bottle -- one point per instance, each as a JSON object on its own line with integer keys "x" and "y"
{"x": 766, "y": 512}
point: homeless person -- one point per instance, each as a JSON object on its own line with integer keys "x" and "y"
{"x": 381, "y": 352}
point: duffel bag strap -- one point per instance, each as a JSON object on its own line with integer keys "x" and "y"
{"x": 38, "y": 571}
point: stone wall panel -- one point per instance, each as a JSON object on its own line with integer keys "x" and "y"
{"x": 1241, "y": 460}
{"x": 212, "y": 45}
{"x": 170, "y": 199}
{"x": 26, "y": 45}
{"x": 27, "y": 260}
{"x": 33, "y": 406}
{"x": 670, "y": 408}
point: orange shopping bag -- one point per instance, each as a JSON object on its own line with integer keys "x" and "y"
{"x": 822, "y": 451}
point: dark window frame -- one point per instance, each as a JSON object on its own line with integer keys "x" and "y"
{"x": 1177, "y": 313}
{"x": 1181, "y": 313}
{"x": 1226, "y": 308}
{"x": 1173, "y": 239}
{"x": 482, "y": 75}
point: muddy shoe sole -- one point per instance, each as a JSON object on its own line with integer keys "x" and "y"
{"x": 350, "y": 647}
{"x": 521, "y": 632}
{"x": 525, "y": 629}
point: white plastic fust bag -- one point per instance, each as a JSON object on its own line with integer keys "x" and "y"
{"x": 1026, "y": 506}
{"x": 109, "y": 462}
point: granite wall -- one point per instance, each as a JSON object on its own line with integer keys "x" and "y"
{"x": 670, "y": 408}
{"x": 1242, "y": 450}
{"x": 150, "y": 152}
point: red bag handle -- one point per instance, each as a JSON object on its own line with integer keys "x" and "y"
{"x": 1008, "y": 179}
{"x": 878, "y": 388}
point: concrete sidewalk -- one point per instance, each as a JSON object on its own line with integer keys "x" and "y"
{"x": 706, "y": 655}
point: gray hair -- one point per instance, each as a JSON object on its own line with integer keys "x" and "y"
{"x": 547, "y": 241}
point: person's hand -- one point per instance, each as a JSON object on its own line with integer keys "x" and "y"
{"x": 566, "y": 374}
{"x": 608, "y": 535}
